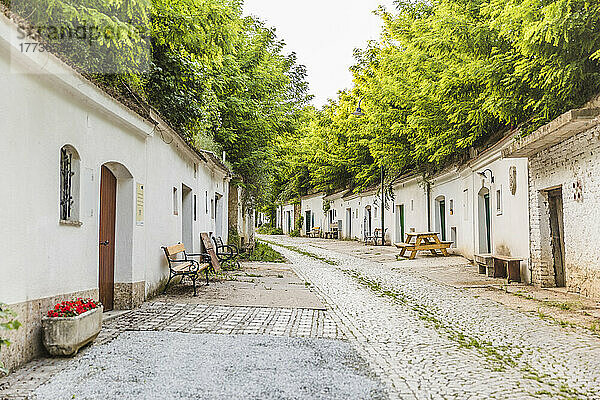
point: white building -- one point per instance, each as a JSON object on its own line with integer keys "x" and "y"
{"x": 334, "y": 204}
{"x": 311, "y": 209}
{"x": 564, "y": 199}
{"x": 91, "y": 190}
{"x": 287, "y": 222}
{"x": 353, "y": 218}
{"x": 409, "y": 207}
{"x": 481, "y": 206}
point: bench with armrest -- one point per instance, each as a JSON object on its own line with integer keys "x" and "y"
{"x": 248, "y": 247}
{"x": 227, "y": 253}
{"x": 368, "y": 237}
{"x": 180, "y": 264}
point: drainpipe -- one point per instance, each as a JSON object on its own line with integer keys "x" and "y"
{"x": 428, "y": 207}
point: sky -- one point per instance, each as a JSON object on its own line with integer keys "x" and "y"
{"x": 323, "y": 33}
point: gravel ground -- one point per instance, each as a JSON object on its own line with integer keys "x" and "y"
{"x": 432, "y": 341}
{"x": 171, "y": 365}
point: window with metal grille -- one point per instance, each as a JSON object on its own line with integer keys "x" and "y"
{"x": 69, "y": 184}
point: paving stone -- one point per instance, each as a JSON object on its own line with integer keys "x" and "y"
{"x": 432, "y": 341}
{"x": 184, "y": 318}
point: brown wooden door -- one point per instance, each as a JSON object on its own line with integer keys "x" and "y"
{"x": 556, "y": 230}
{"x": 108, "y": 206}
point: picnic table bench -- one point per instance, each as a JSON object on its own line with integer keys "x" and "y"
{"x": 422, "y": 241}
{"x": 315, "y": 232}
{"x": 333, "y": 232}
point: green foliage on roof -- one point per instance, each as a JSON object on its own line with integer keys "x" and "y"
{"x": 446, "y": 76}
{"x": 219, "y": 78}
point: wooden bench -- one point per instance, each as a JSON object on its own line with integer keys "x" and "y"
{"x": 506, "y": 267}
{"x": 423, "y": 241}
{"x": 333, "y": 232}
{"x": 315, "y": 232}
{"x": 226, "y": 253}
{"x": 377, "y": 236}
{"x": 483, "y": 261}
{"x": 211, "y": 252}
{"x": 367, "y": 237}
{"x": 180, "y": 264}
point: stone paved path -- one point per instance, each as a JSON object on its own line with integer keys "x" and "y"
{"x": 185, "y": 366}
{"x": 183, "y": 318}
{"x": 432, "y": 341}
{"x": 197, "y": 318}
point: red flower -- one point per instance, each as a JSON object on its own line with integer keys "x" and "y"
{"x": 73, "y": 308}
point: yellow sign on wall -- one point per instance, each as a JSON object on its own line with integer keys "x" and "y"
{"x": 139, "y": 205}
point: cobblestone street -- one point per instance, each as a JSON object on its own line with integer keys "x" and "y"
{"x": 388, "y": 330}
{"x": 430, "y": 340}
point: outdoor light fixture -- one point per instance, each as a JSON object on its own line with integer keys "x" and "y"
{"x": 491, "y": 174}
{"x": 358, "y": 111}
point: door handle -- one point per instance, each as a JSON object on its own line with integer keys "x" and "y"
{"x": 105, "y": 243}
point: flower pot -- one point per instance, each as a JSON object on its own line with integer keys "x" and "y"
{"x": 64, "y": 336}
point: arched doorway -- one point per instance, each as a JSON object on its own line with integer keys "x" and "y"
{"x": 484, "y": 221}
{"x": 440, "y": 216}
{"x": 116, "y": 218}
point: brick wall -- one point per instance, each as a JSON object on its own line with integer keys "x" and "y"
{"x": 574, "y": 166}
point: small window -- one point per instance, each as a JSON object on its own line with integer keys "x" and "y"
{"x": 451, "y": 207}
{"x": 69, "y": 184}
{"x": 175, "y": 202}
{"x": 412, "y": 205}
{"x": 499, "y": 201}
{"x": 465, "y": 204}
{"x": 212, "y": 208}
{"x": 195, "y": 207}
{"x": 206, "y": 202}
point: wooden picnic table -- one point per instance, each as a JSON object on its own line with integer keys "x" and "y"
{"x": 419, "y": 241}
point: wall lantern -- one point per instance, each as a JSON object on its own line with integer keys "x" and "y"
{"x": 491, "y": 174}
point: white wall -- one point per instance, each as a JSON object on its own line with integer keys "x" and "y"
{"x": 288, "y": 225}
{"x": 573, "y": 166}
{"x": 40, "y": 113}
{"x": 353, "y": 202}
{"x": 460, "y": 190}
{"x": 412, "y": 196}
{"x": 314, "y": 204}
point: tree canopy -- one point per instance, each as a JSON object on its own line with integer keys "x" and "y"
{"x": 445, "y": 76}
{"x": 220, "y": 78}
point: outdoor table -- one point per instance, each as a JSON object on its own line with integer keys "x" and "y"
{"x": 419, "y": 241}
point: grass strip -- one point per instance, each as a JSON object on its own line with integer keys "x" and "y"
{"x": 498, "y": 356}
{"x": 303, "y": 252}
